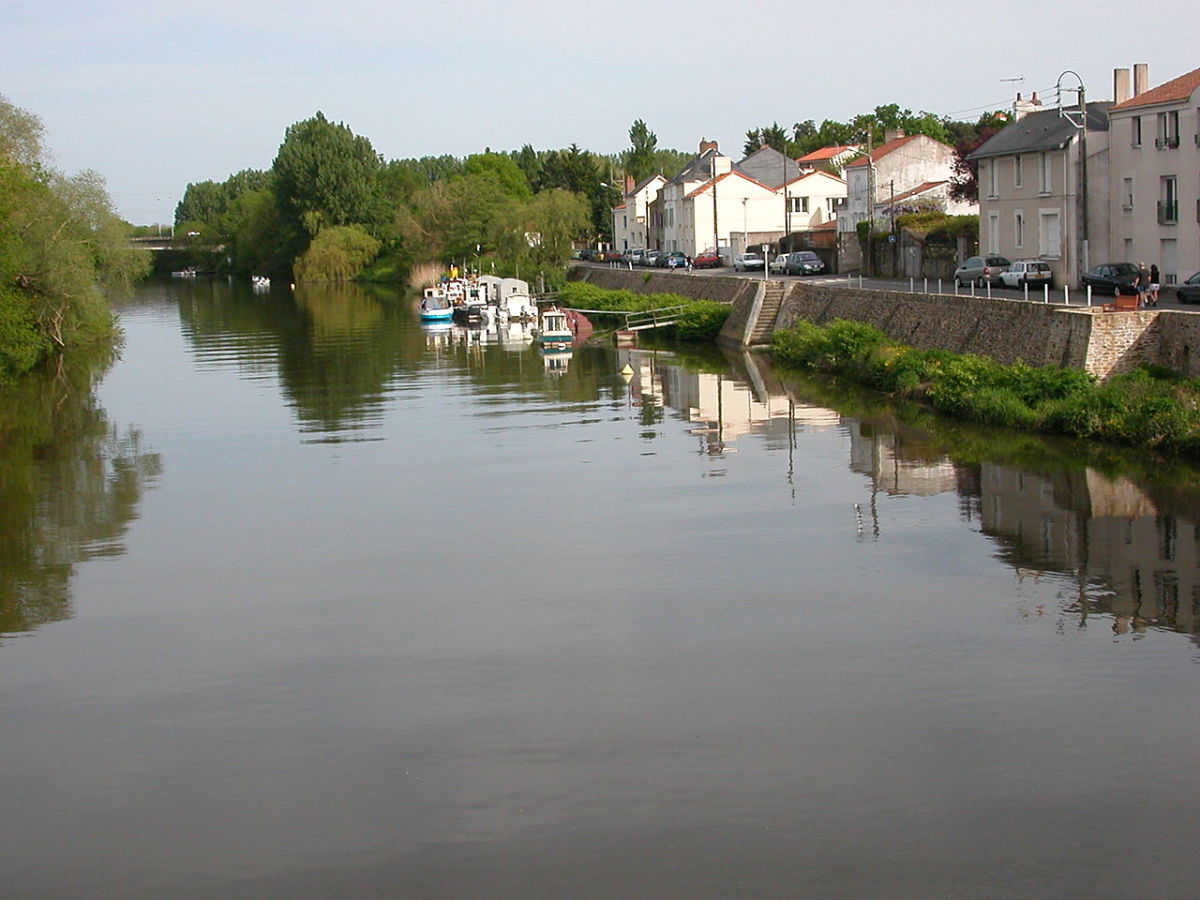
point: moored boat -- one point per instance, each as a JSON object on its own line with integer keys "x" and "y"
{"x": 435, "y": 306}
{"x": 554, "y": 334}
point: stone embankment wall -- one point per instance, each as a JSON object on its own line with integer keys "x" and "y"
{"x": 1101, "y": 342}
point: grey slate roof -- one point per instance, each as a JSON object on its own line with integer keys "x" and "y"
{"x": 699, "y": 169}
{"x": 1044, "y": 130}
{"x": 768, "y": 166}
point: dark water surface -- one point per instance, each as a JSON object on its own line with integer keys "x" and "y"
{"x": 303, "y": 600}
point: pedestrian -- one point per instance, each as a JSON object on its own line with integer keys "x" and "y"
{"x": 1153, "y": 284}
{"x": 1142, "y": 283}
{"x": 689, "y": 263}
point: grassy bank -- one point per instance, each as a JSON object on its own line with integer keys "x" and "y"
{"x": 1149, "y": 408}
{"x": 701, "y": 321}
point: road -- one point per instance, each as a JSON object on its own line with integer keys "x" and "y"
{"x": 1077, "y": 297}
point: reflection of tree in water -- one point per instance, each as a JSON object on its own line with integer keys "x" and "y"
{"x": 70, "y": 482}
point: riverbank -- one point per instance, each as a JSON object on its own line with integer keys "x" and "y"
{"x": 1096, "y": 341}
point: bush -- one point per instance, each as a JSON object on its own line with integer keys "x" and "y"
{"x": 702, "y": 321}
{"x": 1151, "y": 407}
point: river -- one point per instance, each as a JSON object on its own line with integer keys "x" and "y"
{"x": 300, "y": 599}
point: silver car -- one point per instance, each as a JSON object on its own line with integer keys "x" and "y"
{"x": 744, "y": 262}
{"x": 980, "y": 270}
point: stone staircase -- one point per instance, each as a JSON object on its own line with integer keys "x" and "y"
{"x": 767, "y": 313}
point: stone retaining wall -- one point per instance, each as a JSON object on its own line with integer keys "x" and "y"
{"x": 1103, "y": 343}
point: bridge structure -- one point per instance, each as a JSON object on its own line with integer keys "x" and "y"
{"x": 171, "y": 242}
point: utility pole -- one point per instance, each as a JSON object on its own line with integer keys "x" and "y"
{"x": 716, "y": 233}
{"x": 870, "y": 266}
{"x": 1081, "y": 212}
{"x": 895, "y": 241}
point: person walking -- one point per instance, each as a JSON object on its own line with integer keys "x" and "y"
{"x": 1154, "y": 284}
{"x": 1142, "y": 283}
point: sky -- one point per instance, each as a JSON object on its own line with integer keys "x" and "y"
{"x": 154, "y": 95}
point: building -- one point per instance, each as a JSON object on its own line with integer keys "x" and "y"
{"x": 630, "y": 220}
{"x": 1032, "y": 203}
{"x": 901, "y": 164}
{"x": 1154, "y": 161}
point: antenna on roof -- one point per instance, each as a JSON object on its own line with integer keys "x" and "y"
{"x": 1018, "y": 78}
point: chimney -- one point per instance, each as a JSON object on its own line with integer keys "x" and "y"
{"x": 630, "y": 184}
{"x": 707, "y": 145}
{"x": 1022, "y": 108}
{"x": 1120, "y": 85}
{"x": 892, "y": 134}
{"x": 1141, "y": 78}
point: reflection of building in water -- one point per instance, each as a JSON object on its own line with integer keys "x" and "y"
{"x": 721, "y": 407}
{"x": 880, "y": 456}
{"x": 1103, "y": 531}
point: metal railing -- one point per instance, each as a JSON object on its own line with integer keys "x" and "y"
{"x": 1168, "y": 213}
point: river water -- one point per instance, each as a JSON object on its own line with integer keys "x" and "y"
{"x": 300, "y": 599}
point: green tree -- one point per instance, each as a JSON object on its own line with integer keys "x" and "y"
{"x": 325, "y": 175}
{"x": 60, "y": 239}
{"x": 640, "y": 160}
{"x": 337, "y": 253}
{"x": 502, "y": 170}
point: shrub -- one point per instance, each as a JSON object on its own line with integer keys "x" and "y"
{"x": 702, "y": 321}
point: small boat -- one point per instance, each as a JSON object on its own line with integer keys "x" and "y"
{"x": 189, "y": 272}
{"x": 260, "y": 282}
{"x": 553, "y": 334}
{"x": 435, "y": 306}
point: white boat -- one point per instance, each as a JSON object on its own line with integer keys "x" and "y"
{"x": 260, "y": 282}
{"x": 435, "y": 306}
{"x": 554, "y": 334}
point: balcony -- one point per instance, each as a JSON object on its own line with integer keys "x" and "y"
{"x": 1168, "y": 213}
{"x": 1167, "y": 143}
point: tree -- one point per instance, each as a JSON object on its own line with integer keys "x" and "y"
{"x": 640, "y": 160}
{"x": 60, "y": 240}
{"x": 337, "y": 253}
{"x": 325, "y": 175}
{"x": 964, "y": 178}
{"x": 502, "y": 170}
{"x": 771, "y": 135}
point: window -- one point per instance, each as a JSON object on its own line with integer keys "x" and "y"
{"x": 1044, "y": 172}
{"x": 992, "y": 167}
{"x": 1017, "y": 173}
{"x": 1126, "y": 194}
{"x": 1168, "y": 201}
{"x": 1019, "y": 233}
{"x": 993, "y": 232}
{"x": 1168, "y": 130}
{"x": 1049, "y": 234}
{"x": 1128, "y": 248}
{"x": 1135, "y": 125}
{"x": 1168, "y": 251}
{"x": 831, "y": 205}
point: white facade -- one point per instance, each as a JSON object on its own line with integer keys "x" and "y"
{"x": 898, "y": 166}
{"x": 813, "y": 198}
{"x": 631, "y": 228}
{"x": 1154, "y": 180}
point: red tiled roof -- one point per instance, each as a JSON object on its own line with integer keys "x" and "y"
{"x": 1180, "y": 88}
{"x": 883, "y": 150}
{"x": 912, "y": 192}
{"x": 826, "y": 153}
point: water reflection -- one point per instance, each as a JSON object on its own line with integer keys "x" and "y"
{"x": 1120, "y": 552}
{"x": 70, "y": 484}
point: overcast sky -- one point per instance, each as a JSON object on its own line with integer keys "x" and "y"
{"x": 154, "y": 95}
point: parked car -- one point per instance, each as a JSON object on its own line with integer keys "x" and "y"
{"x": 1189, "y": 291}
{"x": 611, "y": 256}
{"x": 650, "y": 257}
{"x": 633, "y": 256}
{"x": 1027, "y": 271}
{"x": 588, "y": 254}
{"x": 744, "y": 262}
{"x": 707, "y": 260}
{"x": 676, "y": 259}
{"x": 779, "y": 264}
{"x": 980, "y": 270}
{"x": 804, "y": 262}
{"x": 1112, "y": 278}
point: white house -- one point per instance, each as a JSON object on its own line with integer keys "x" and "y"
{"x": 1154, "y": 159}
{"x": 630, "y": 220}
{"x": 899, "y": 165}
